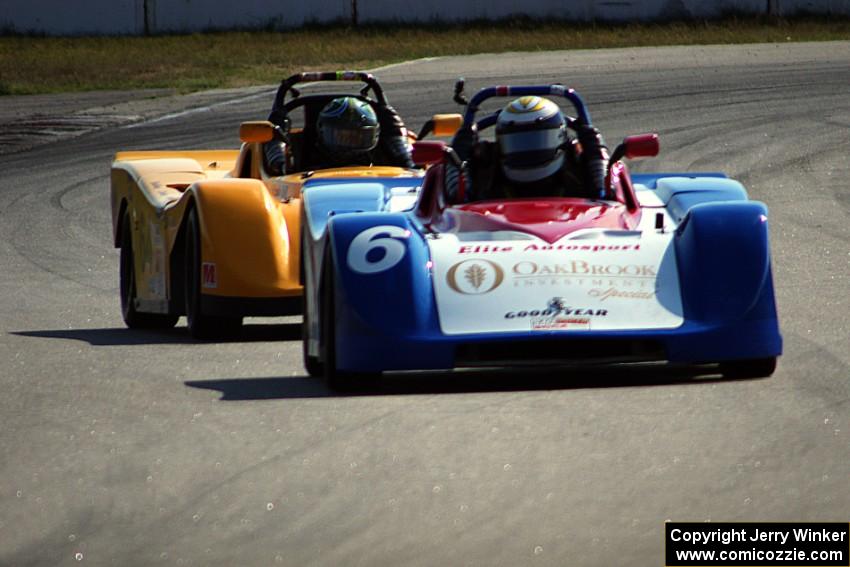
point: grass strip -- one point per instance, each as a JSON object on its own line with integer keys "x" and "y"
{"x": 31, "y": 65}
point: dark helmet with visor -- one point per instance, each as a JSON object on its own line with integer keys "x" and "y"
{"x": 531, "y": 132}
{"x": 347, "y": 125}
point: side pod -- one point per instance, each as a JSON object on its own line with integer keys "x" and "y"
{"x": 724, "y": 263}
{"x": 247, "y": 238}
{"x": 383, "y": 281}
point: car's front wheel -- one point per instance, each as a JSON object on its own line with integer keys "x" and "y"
{"x": 337, "y": 379}
{"x": 312, "y": 364}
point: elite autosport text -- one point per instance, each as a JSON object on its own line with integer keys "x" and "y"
{"x": 492, "y": 249}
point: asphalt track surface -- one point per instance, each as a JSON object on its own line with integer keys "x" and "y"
{"x": 120, "y": 447}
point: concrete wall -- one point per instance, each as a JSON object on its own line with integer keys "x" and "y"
{"x": 581, "y": 10}
{"x": 83, "y": 17}
{"x": 181, "y": 15}
{"x": 72, "y": 17}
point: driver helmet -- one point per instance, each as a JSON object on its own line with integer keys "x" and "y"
{"x": 531, "y": 132}
{"x": 347, "y": 126}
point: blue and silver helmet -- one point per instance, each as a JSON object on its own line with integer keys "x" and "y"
{"x": 531, "y": 132}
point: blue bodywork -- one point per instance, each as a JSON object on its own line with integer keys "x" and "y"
{"x": 389, "y": 320}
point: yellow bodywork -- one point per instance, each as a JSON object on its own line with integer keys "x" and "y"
{"x": 249, "y": 221}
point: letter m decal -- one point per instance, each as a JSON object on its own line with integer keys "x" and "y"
{"x": 209, "y": 278}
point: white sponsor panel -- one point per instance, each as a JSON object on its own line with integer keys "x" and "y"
{"x": 605, "y": 283}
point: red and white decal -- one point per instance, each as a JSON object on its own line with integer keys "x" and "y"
{"x": 561, "y": 324}
{"x": 209, "y": 279}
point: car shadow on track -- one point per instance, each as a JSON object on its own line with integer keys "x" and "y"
{"x": 121, "y": 336}
{"x": 463, "y": 382}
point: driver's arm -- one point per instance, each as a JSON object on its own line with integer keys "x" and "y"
{"x": 594, "y": 159}
{"x": 393, "y": 137}
{"x": 458, "y": 185}
{"x": 275, "y": 149}
{"x": 275, "y": 154}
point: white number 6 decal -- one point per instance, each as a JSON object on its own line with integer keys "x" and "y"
{"x": 378, "y": 237}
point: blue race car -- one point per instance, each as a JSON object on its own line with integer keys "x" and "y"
{"x": 671, "y": 267}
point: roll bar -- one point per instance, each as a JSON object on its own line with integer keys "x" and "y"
{"x": 583, "y": 116}
{"x": 288, "y": 84}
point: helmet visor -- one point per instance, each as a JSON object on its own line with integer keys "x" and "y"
{"x": 549, "y": 139}
{"x": 359, "y": 139}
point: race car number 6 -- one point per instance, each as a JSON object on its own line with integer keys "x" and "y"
{"x": 362, "y": 257}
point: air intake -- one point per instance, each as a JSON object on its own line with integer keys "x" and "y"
{"x": 557, "y": 351}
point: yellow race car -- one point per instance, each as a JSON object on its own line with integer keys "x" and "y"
{"x": 215, "y": 234}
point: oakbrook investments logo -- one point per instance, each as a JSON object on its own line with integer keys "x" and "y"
{"x": 475, "y": 277}
{"x": 582, "y": 268}
{"x": 600, "y": 281}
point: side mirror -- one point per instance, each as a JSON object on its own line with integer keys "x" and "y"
{"x": 257, "y": 131}
{"x": 638, "y": 146}
{"x": 441, "y": 125}
{"x": 447, "y": 124}
{"x": 642, "y": 145}
{"x": 427, "y": 153}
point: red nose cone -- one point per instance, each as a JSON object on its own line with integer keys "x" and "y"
{"x": 548, "y": 219}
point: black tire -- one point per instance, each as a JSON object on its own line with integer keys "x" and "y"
{"x": 202, "y": 325}
{"x": 127, "y": 282}
{"x": 312, "y": 364}
{"x": 753, "y": 368}
{"x": 336, "y": 379}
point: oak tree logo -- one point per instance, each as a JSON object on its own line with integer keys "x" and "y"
{"x": 475, "y": 277}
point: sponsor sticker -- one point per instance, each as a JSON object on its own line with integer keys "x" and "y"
{"x": 209, "y": 279}
{"x": 599, "y": 281}
{"x": 528, "y": 268}
{"x": 557, "y": 315}
{"x": 560, "y": 324}
{"x": 475, "y": 277}
{"x": 503, "y": 285}
{"x": 612, "y": 292}
{"x": 567, "y": 247}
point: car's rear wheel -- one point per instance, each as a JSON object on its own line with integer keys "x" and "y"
{"x": 336, "y": 379}
{"x": 202, "y": 325}
{"x": 127, "y": 283}
{"x": 751, "y": 368}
